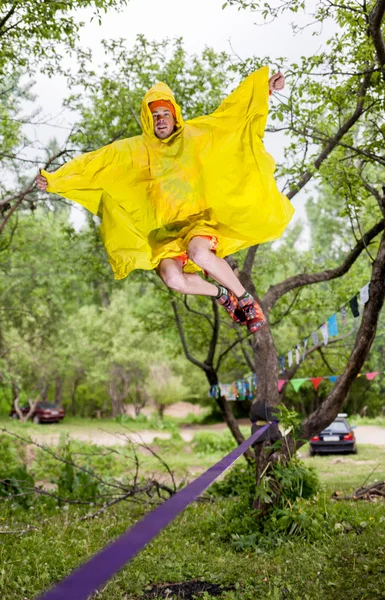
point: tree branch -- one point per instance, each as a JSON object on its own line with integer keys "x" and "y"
{"x": 375, "y": 19}
{"x": 337, "y": 137}
{"x": 214, "y": 338}
{"x": 329, "y": 409}
{"x": 277, "y": 291}
{"x": 182, "y": 336}
{"x": 240, "y": 340}
{"x": 7, "y": 16}
{"x": 289, "y": 374}
{"x": 196, "y": 312}
{"x": 249, "y": 260}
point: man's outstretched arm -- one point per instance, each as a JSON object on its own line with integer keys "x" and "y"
{"x": 83, "y": 178}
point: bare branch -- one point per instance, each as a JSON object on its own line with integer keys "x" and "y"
{"x": 196, "y": 312}
{"x": 214, "y": 338}
{"x": 277, "y": 291}
{"x": 182, "y": 336}
{"x": 249, "y": 260}
{"x": 288, "y": 310}
{"x": 337, "y": 137}
{"x": 240, "y": 340}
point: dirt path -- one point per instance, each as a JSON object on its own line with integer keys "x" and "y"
{"x": 365, "y": 434}
{"x": 370, "y": 434}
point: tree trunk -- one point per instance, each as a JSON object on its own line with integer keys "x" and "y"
{"x": 58, "y": 391}
{"x": 116, "y": 401}
{"x": 323, "y": 415}
{"x": 227, "y": 414}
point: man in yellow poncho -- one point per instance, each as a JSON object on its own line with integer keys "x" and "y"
{"x": 183, "y": 195}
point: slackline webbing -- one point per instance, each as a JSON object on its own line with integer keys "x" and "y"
{"x": 87, "y": 578}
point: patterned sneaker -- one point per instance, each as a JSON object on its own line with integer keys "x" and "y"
{"x": 254, "y": 315}
{"x": 229, "y": 301}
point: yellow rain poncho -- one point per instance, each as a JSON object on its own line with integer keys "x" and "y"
{"x": 212, "y": 176}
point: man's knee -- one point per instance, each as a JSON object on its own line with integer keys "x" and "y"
{"x": 173, "y": 279}
{"x": 200, "y": 255}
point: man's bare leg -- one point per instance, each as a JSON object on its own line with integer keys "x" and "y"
{"x": 171, "y": 272}
{"x": 199, "y": 251}
{"x": 234, "y": 298}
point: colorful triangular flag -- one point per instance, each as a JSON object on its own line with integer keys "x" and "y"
{"x": 305, "y": 341}
{"x": 324, "y": 331}
{"x": 296, "y": 383}
{"x": 297, "y": 354}
{"x": 316, "y": 381}
{"x": 372, "y": 375}
{"x": 315, "y": 338}
{"x": 353, "y": 303}
{"x": 281, "y": 384}
{"x": 332, "y": 325}
{"x": 364, "y": 294}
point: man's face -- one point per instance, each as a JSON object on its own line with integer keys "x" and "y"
{"x": 164, "y": 122}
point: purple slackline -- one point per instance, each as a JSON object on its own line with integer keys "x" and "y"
{"x": 103, "y": 565}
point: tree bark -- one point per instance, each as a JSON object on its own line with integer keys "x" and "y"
{"x": 58, "y": 391}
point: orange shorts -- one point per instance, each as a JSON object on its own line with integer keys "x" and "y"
{"x": 183, "y": 258}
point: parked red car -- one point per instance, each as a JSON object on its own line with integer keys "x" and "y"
{"x": 45, "y": 412}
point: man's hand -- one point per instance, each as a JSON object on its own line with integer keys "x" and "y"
{"x": 41, "y": 182}
{"x": 276, "y": 82}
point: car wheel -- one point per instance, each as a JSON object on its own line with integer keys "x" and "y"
{"x": 312, "y": 453}
{"x": 36, "y": 419}
{"x": 15, "y": 416}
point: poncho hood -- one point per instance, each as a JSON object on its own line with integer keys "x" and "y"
{"x": 160, "y": 91}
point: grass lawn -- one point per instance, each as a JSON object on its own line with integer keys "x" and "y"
{"x": 210, "y": 540}
{"x": 78, "y": 424}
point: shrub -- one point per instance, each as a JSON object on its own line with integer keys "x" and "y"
{"x": 240, "y": 481}
{"x": 293, "y": 513}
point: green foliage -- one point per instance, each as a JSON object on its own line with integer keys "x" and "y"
{"x": 239, "y": 481}
{"x": 292, "y": 514}
{"x": 208, "y": 443}
{"x": 32, "y": 32}
{"x": 12, "y": 452}
{"x": 174, "y": 443}
{"x": 74, "y": 483}
{"x": 113, "y": 102}
{"x": 17, "y": 485}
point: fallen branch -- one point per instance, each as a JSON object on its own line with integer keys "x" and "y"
{"x": 372, "y": 492}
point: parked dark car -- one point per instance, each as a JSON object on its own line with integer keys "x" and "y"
{"x": 45, "y": 412}
{"x": 337, "y": 437}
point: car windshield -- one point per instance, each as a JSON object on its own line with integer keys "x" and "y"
{"x": 337, "y": 427}
{"x": 46, "y": 405}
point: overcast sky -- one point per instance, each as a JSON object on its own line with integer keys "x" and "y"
{"x": 201, "y": 23}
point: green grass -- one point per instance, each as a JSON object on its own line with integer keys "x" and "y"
{"x": 344, "y": 563}
{"x": 78, "y": 424}
{"x": 345, "y": 559}
{"x": 346, "y": 472}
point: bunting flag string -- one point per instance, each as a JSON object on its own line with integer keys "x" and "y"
{"x": 244, "y": 389}
{"x": 327, "y": 330}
